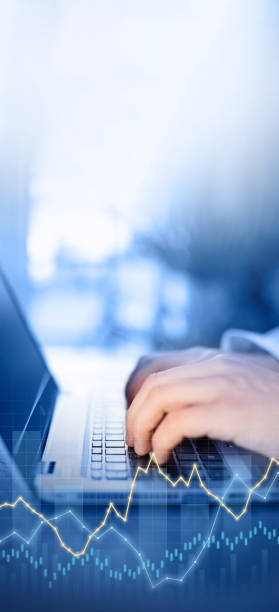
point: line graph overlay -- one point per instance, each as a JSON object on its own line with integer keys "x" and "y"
{"x": 124, "y": 517}
{"x": 152, "y": 574}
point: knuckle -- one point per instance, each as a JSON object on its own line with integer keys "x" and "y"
{"x": 150, "y": 380}
{"x": 154, "y": 393}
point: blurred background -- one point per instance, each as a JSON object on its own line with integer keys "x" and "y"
{"x": 139, "y": 181}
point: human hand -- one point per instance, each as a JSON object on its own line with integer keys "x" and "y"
{"x": 157, "y": 362}
{"x": 226, "y": 396}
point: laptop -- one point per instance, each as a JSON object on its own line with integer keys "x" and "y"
{"x": 71, "y": 449}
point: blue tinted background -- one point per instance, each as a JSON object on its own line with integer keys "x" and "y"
{"x": 139, "y": 168}
{"x": 139, "y": 210}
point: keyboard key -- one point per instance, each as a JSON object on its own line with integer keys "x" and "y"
{"x": 211, "y": 457}
{"x": 171, "y": 470}
{"x": 114, "y": 467}
{"x": 96, "y": 456}
{"x": 185, "y": 446}
{"x": 117, "y": 475}
{"x": 114, "y": 444}
{"x": 96, "y": 465}
{"x": 204, "y": 444}
{"x": 96, "y": 451}
{"x": 120, "y": 436}
{"x": 97, "y": 437}
{"x": 186, "y": 468}
{"x": 96, "y": 460}
{"x": 187, "y": 457}
{"x": 115, "y": 458}
{"x": 96, "y": 475}
{"x": 115, "y": 451}
{"x": 184, "y": 451}
{"x": 186, "y": 463}
{"x": 214, "y": 465}
{"x": 137, "y": 461}
{"x": 96, "y": 443}
{"x": 113, "y": 422}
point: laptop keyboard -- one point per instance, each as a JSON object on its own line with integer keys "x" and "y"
{"x": 109, "y": 456}
{"x": 205, "y": 454}
{"x": 113, "y": 460}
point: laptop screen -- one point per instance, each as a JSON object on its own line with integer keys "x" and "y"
{"x": 27, "y": 388}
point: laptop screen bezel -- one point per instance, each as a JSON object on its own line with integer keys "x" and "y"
{"x": 49, "y": 391}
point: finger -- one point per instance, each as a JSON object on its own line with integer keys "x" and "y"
{"x": 153, "y": 380}
{"x": 159, "y": 362}
{"x": 167, "y": 398}
{"x": 203, "y": 368}
{"x": 148, "y": 365}
{"x": 193, "y": 422}
{"x": 143, "y": 369}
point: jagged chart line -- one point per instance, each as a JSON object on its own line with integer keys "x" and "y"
{"x": 178, "y": 579}
{"x": 153, "y": 583}
{"x": 236, "y": 541}
{"x": 124, "y": 517}
{"x": 138, "y": 554}
{"x": 205, "y": 544}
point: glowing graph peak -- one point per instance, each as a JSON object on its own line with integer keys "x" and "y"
{"x": 124, "y": 517}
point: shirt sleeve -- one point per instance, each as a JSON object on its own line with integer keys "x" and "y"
{"x": 245, "y": 341}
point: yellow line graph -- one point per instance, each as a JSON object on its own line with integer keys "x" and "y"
{"x": 124, "y": 517}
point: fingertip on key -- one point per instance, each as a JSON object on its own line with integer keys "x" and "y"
{"x": 141, "y": 448}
